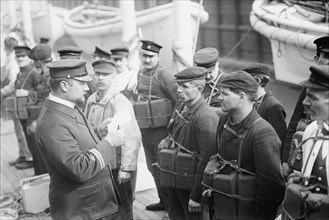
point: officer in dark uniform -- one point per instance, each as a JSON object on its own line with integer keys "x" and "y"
{"x": 208, "y": 58}
{"x": 299, "y": 119}
{"x": 153, "y": 80}
{"x": 101, "y": 54}
{"x": 307, "y": 192}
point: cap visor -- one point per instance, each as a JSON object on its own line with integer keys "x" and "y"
{"x": 86, "y": 78}
{"x": 312, "y": 85}
{"x": 210, "y": 69}
{"x": 118, "y": 56}
{"x": 147, "y": 52}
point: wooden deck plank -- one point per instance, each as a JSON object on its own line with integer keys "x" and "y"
{"x": 10, "y": 179}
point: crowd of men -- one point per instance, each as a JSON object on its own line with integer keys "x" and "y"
{"x": 216, "y": 144}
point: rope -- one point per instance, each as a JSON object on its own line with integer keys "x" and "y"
{"x": 236, "y": 45}
{"x": 232, "y": 196}
{"x": 172, "y": 172}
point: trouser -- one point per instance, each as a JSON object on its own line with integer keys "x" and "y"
{"x": 151, "y": 138}
{"x": 178, "y": 209}
{"x": 38, "y": 162}
{"x": 23, "y": 150}
{"x": 126, "y": 197}
{"x": 133, "y": 181}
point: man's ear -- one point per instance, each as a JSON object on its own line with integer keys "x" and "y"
{"x": 200, "y": 88}
{"x": 63, "y": 85}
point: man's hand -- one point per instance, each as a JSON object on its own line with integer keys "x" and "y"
{"x": 315, "y": 200}
{"x": 123, "y": 176}
{"x": 294, "y": 178}
{"x": 286, "y": 170}
{"x": 194, "y": 206}
{"x": 115, "y": 137}
{"x": 22, "y": 92}
{"x": 102, "y": 129}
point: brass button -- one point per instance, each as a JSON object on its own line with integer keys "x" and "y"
{"x": 317, "y": 189}
{"x": 319, "y": 178}
{"x": 320, "y": 167}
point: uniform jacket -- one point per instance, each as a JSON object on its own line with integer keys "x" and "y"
{"x": 260, "y": 154}
{"x": 272, "y": 111}
{"x": 81, "y": 186}
{"x": 31, "y": 78}
{"x": 114, "y": 104}
{"x": 163, "y": 84}
{"x": 197, "y": 133}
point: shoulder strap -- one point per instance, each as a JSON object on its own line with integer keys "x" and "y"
{"x": 25, "y": 80}
{"x": 213, "y": 88}
{"x": 315, "y": 138}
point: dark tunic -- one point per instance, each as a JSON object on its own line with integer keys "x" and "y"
{"x": 159, "y": 83}
{"x": 260, "y": 155}
{"x": 272, "y": 111}
{"x": 197, "y": 133}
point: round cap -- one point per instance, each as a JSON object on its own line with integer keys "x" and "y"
{"x": 190, "y": 73}
{"x": 40, "y": 52}
{"x": 150, "y": 46}
{"x": 319, "y": 78}
{"x": 104, "y": 66}
{"x": 120, "y": 52}
{"x": 70, "y": 52}
{"x": 68, "y": 69}
{"x": 240, "y": 80}
{"x": 206, "y": 57}
{"x": 19, "y": 50}
{"x": 102, "y": 53}
{"x": 258, "y": 69}
{"x": 322, "y": 44}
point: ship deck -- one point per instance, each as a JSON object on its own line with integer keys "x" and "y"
{"x": 10, "y": 180}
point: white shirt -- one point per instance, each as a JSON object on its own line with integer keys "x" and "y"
{"x": 125, "y": 80}
{"x": 62, "y": 101}
{"x": 11, "y": 69}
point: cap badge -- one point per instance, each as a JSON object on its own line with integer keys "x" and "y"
{"x": 149, "y": 47}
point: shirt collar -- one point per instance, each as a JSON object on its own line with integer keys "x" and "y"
{"x": 62, "y": 101}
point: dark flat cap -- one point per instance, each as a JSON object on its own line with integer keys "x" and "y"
{"x": 322, "y": 44}
{"x": 257, "y": 69}
{"x": 40, "y": 52}
{"x": 22, "y": 50}
{"x": 190, "y": 73}
{"x": 119, "y": 52}
{"x": 70, "y": 52}
{"x": 104, "y": 66}
{"x": 102, "y": 53}
{"x": 68, "y": 69}
{"x": 206, "y": 57}
{"x": 240, "y": 80}
{"x": 150, "y": 46}
{"x": 319, "y": 78}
